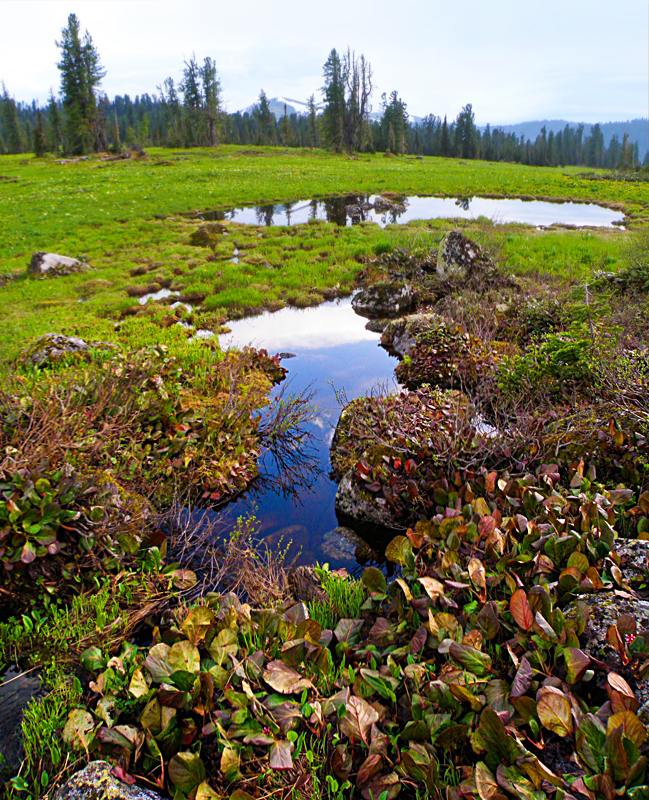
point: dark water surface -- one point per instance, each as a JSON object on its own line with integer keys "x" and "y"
{"x": 352, "y": 209}
{"x": 333, "y": 350}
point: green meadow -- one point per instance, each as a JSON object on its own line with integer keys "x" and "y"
{"x": 128, "y": 219}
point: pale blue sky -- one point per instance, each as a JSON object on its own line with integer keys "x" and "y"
{"x": 514, "y": 60}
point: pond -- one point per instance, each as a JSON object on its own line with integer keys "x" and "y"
{"x": 384, "y": 210}
{"x": 329, "y": 351}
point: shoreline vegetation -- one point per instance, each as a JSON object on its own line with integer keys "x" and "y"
{"x": 500, "y": 650}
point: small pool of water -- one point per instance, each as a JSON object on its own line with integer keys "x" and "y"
{"x": 331, "y": 352}
{"x": 353, "y": 209}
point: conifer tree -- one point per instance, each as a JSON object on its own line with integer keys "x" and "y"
{"x": 81, "y": 73}
{"x": 39, "y": 140}
{"x": 10, "y": 119}
{"x": 285, "y": 128}
{"x": 266, "y": 120}
{"x": 55, "y": 133}
{"x": 313, "y": 124}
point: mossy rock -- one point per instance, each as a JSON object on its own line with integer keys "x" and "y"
{"x": 208, "y": 234}
{"x": 386, "y": 299}
{"x": 53, "y": 348}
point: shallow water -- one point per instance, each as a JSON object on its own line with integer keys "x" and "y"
{"x": 352, "y": 209}
{"x": 333, "y": 352}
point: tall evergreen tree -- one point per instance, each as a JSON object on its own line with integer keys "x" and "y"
{"x": 81, "y": 73}
{"x": 39, "y": 139}
{"x": 9, "y": 113}
{"x": 334, "y": 97}
{"x": 55, "y": 130}
{"x": 313, "y": 122}
{"x": 266, "y": 120}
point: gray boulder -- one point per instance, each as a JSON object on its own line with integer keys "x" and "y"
{"x": 363, "y": 512}
{"x": 460, "y": 257}
{"x": 634, "y": 553}
{"x": 387, "y": 299}
{"x": 400, "y": 335}
{"x": 604, "y": 609}
{"x": 96, "y": 782}
{"x": 52, "y": 265}
{"x": 52, "y": 347}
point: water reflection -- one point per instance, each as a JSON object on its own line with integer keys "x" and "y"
{"x": 294, "y": 496}
{"x": 385, "y": 210}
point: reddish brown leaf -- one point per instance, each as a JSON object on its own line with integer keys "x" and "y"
{"x": 520, "y": 610}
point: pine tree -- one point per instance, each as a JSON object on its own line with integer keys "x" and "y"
{"x": 212, "y": 110}
{"x": 81, "y": 72}
{"x": 39, "y": 139}
{"x": 334, "y": 97}
{"x": 9, "y": 113}
{"x": 285, "y": 128}
{"x": 313, "y": 124}
{"x": 55, "y": 134}
{"x": 266, "y": 120}
{"x": 445, "y": 140}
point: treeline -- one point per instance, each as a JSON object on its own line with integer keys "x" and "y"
{"x": 190, "y": 113}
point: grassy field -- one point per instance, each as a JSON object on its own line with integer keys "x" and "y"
{"x": 127, "y": 218}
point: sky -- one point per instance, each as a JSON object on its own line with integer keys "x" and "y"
{"x": 513, "y": 60}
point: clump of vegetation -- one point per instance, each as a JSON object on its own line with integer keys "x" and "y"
{"x": 446, "y": 356}
{"x": 230, "y": 698}
{"x": 344, "y": 597}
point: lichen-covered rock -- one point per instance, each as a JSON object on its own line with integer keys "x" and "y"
{"x": 364, "y": 512}
{"x": 53, "y": 265}
{"x": 96, "y": 782}
{"x": 399, "y": 335}
{"x": 633, "y": 553}
{"x": 460, "y": 257}
{"x": 387, "y": 299}
{"x": 604, "y": 609}
{"x": 51, "y": 348}
{"x": 208, "y": 234}
{"x": 54, "y": 347}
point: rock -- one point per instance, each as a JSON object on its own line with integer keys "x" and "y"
{"x": 400, "y": 335}
{"x": 459, "y": 257}
{"x": 17, "y": 690}
{"x": 208, "y": 234}
{"x": 634, "y": 553}
{"x": 363, "y": 512}
{"x": 96, "y": 782}
{"x": 605, "y": 608}
{"x": 52, "y": 265}
{"x": 387, "y": 299}
{"x": 284, "y": 356}
{"x": 344, "y": 544}
{"x": 51, "y": 348}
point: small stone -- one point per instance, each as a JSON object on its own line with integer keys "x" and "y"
{"x": 52, "y": 265}
{"x": 365, "y": 513}
{"x": 96, "y": 782}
